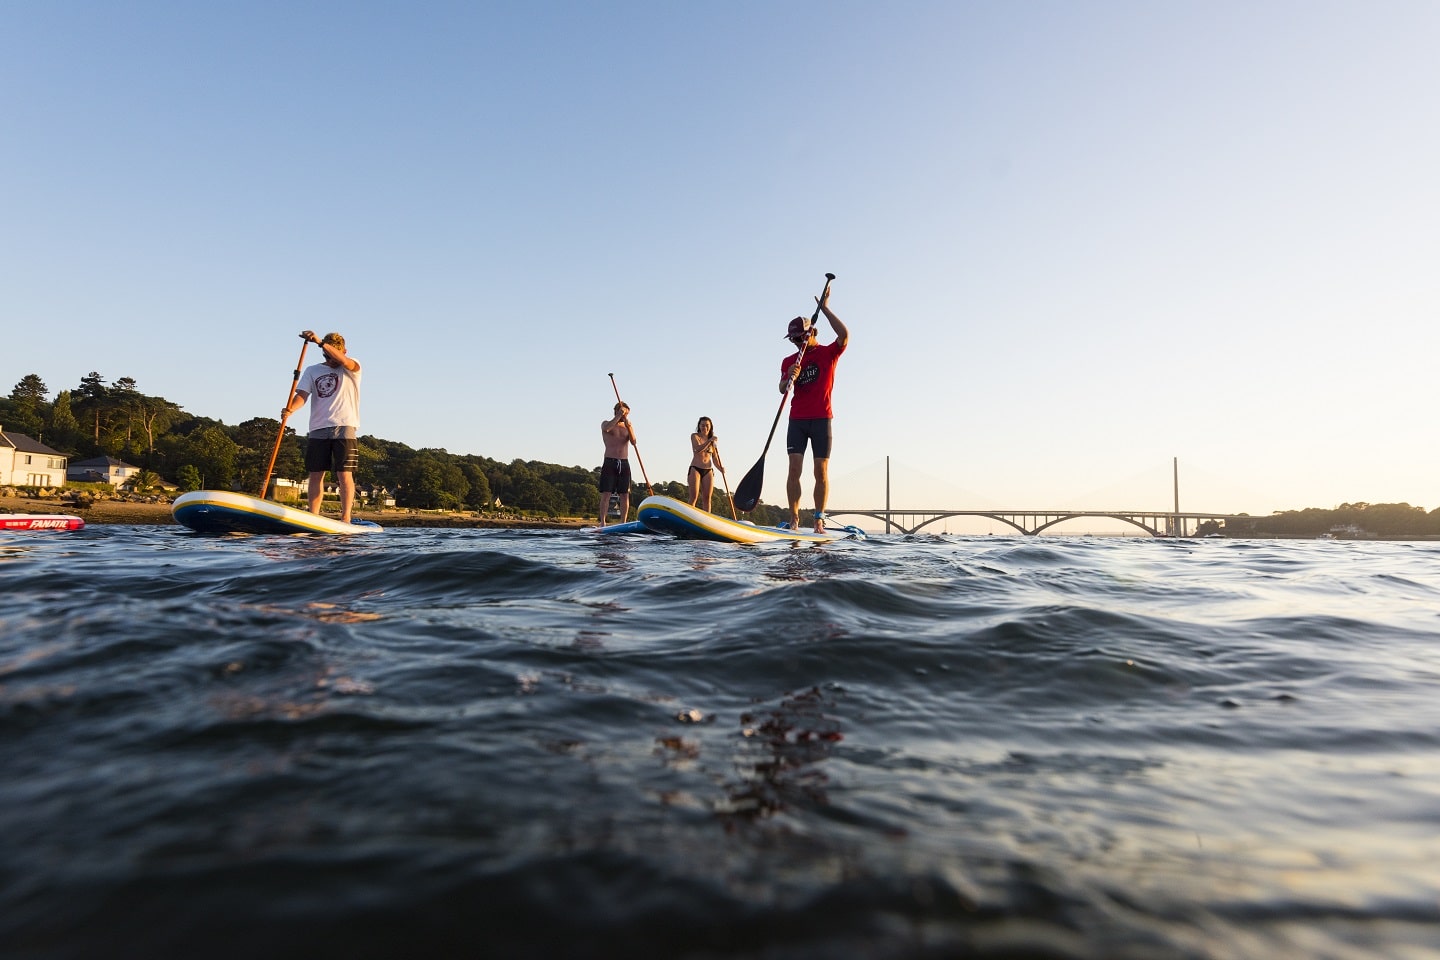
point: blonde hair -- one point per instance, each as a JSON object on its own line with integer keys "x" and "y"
{"x": 334, "y": 338}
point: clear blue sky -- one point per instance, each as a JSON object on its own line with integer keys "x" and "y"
{"x": 1073, "y": 240}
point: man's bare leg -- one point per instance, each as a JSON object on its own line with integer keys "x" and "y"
{"x": 822, "y": 491}
{"x": 315, "y": 490}
{"x": 792, "y": 488}
{"x": 346, "y": 479}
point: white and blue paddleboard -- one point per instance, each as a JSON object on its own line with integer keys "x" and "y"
{"x": 633, "y": 526}
{"x": 222, "y": 511}
{"x": 668, "y": 515}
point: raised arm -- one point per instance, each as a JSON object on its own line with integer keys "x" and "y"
{"x": 842, "y": 333}
{"x": 332, "y": 352}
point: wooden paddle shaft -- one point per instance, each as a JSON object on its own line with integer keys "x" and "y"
{"x": 275, "y": 454}
{"x": 715, "y": 450}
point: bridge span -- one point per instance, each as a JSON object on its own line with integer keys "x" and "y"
{"x": 1157, "y": 523}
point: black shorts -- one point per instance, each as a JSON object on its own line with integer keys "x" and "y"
{"x": 337, "y": 456}
{"x": 615, "y": 476}
{"x": 816, "y": 431}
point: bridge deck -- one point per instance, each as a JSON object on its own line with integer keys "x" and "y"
{"x": 1158, "y": 523}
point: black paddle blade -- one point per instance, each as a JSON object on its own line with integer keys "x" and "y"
{"x": 747, "y": 494}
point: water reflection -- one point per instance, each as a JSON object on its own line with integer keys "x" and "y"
{"x": 782, "y": 769}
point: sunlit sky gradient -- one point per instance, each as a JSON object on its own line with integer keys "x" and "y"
{"x": 1073, "y": 240}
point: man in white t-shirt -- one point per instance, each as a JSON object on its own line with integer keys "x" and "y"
{"x": 333, "y": 389}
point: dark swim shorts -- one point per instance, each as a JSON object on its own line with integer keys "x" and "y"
{"x": 615, "y": 475}
{"x": 816, "y": 431}
{"x": 337, "y": 456}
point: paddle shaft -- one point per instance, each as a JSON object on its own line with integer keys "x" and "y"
{"x": 783, "y": 397}
{"x": 750, "y": 484}
{"x": 715, "y": 449}
{"x": 626, "y": 420}
{"x": 815, "y": 317}
{"x": 274, "y": 454}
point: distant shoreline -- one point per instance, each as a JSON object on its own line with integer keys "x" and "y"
{"x": 158, "y": 514}
{"x": 135, "y": 513}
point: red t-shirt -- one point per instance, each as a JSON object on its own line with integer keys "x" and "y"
{"x": 811, "y": 400}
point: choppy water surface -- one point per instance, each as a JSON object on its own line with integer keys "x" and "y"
{"x": 495, "y": 743}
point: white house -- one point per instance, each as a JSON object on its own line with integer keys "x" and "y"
{"x": 26, "y": 462}
{"x": 282, "y": 489}
{"x": 367, "y": 493}
{"x": 102, "y": 470}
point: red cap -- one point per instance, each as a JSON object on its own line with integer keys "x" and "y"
{"x": 799, "y": 327}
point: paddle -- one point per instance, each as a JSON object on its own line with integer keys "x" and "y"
{"x": 747, "y": 494}
{"x": 269, "y": 469}
{"x": 626, "y": 420}
{"x": 715, "y": 449}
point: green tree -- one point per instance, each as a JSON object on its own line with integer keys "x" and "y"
{"x": 255, "y": 439}
{"x": 479, "y": 497}
{"x": 211, "y": 451}
{"x": 533, "y": 493}
{"x": 144, "y": 481}
{"x": 153, "y": 416}
{"x": 28, "y": 406}
{"x": 124, "y": 401}
{"x": 381, "y": 462}
{"x": 91, "y": 401}
{"x": 64, "y": 428}
{"x": 188, "y": 477}
{"x": 581, "y": 499}
{"x": 429, "y": 482}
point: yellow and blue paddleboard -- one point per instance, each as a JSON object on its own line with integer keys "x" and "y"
{"x": 668, "y": 515}
{"x": 222, "y": 511}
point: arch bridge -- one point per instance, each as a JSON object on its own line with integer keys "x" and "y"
{"x": 1157, "y": 523}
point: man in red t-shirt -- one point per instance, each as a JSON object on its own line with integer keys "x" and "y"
{"x": 810, "y": 413}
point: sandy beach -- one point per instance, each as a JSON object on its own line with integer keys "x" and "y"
{"x": 135, "y": 512}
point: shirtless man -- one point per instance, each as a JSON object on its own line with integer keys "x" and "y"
{"x": 615, "y": 473}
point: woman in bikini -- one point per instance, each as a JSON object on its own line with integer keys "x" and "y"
{"x": 703, "y": 460}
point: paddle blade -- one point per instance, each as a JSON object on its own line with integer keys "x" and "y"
{"x": 747, "y": 494}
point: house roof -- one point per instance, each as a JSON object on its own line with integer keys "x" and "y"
{"x": 19, "y": 441}
{"x": 99, "y": 462}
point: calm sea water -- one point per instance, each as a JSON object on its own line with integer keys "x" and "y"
{"x": 522, "y": 744}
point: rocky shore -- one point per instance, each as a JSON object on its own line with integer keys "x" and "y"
{"x": 157, "y": 511}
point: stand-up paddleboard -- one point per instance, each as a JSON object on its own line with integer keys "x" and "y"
{"x": 40, "y": 521}
{"x": 634, "y": 526}
{"x": 221, "y": 511}
{"x": 668, "y": 515}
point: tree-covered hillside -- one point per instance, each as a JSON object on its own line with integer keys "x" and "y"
{"x": 1384, "y": 521}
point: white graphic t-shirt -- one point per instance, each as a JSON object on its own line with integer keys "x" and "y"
{"x": 334, "y": 394}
